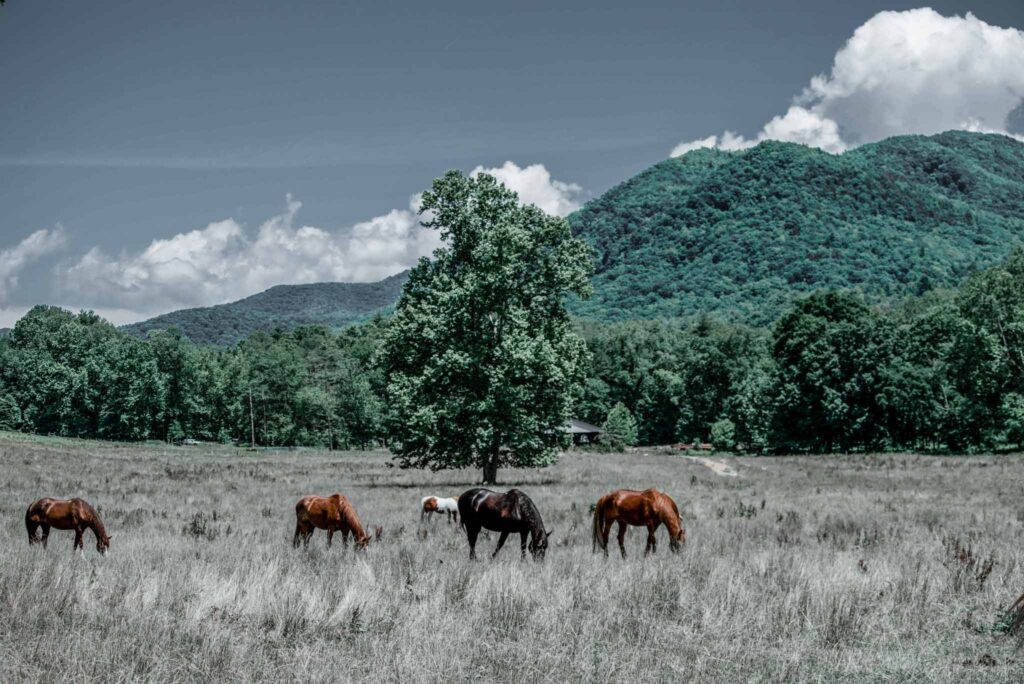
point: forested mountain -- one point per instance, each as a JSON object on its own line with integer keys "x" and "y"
{"x": 284, "y": 307}
{"x": 742, "y": 235}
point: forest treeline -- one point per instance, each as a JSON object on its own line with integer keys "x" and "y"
{"x": 943, "y": 371}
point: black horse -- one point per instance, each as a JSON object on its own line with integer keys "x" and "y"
{"x": 512, "y": 511}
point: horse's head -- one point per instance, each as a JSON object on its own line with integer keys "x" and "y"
{"x": 676, "y": 543}
{"x": 364, "y": 541}
{"x": 103, "y": 542}
{"x": 539, "y": 543}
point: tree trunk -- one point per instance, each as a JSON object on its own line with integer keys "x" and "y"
{"x": 491, "y": 467}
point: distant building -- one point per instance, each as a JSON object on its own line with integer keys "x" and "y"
{"x": 696, "y": 446}
{"x": 582, "y": 433}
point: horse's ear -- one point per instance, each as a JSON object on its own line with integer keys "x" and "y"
{"x": 110, "y": 537}
{"x": 548, "y": 533}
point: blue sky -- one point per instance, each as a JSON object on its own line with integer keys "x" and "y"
{"x": 161, "y": 155}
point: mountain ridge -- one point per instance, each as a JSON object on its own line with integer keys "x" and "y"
{"x": 280, "y": 307}
{"x": 739, "y": 236}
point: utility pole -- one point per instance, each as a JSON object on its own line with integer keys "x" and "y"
{"x": 252, "y": 421}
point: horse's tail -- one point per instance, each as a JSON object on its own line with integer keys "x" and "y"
{"x": 599, "y": 540}
{"x": 462, "y": 513}
{"x": 30, "y": 526}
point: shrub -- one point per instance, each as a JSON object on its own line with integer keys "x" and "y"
{"x": 620, "y": 427}
{"x": 723, "y": 435}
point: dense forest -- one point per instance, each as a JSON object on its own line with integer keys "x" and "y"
{"x": 742, "y": 235}
{"x": 943, "y": 371}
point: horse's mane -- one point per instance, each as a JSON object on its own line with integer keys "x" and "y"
{"x": 528, "y": 511}
{"x": 347, "y": 512}
{"x": 97, "y": 524}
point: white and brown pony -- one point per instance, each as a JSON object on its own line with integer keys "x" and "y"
{"x": 436, "y": 504}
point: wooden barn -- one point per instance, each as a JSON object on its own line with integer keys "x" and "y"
{"x": 582, "y": 433}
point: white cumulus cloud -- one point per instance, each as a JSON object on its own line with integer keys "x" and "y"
{"x": 14, "y": 259}
{"x": 534, "y": 185}
{"x": 914, "y": 71}
{"x": 225, "y": 261}
{"x": 700, "y": 144}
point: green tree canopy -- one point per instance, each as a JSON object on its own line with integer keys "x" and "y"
{"x": 481, "y": 361}
{"x": 829, "y": 351}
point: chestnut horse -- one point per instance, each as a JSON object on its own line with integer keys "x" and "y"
{"x": 74, "y": 514}
{"x": 649, "y": 508}
{"x": 333, "y": 513}
{"x": 512, "y": 511}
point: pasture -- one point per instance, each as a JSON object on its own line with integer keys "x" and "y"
{"x": 851, "y": 568}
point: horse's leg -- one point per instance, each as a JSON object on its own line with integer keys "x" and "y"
{"x": 78, "y": 540}
{"x": 652, "y": 541}
{"x": 522, "y": 543}
{"x": 622, "y": 538}
{"x": 298, "y": 535}
{"x": 344, "y": 538}
{"x": 306, "y": 535}
{"x": 330, "y": 537}
{"x": 471, "y": 534}
{"x": 501, "y": 542}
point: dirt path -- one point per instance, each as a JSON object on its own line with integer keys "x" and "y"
{"x": 719, "y": 468}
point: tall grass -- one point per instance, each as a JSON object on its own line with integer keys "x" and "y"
{"x": 801, "y": 569}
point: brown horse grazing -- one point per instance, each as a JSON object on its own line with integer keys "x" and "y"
{"x": 333, "y": 513}
{"x": 648, "y": 508}
{"x": 75, "y": 514}
{"x": 512, "y": 511}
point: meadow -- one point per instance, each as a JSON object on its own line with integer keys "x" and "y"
{"x": 830, "y": 568}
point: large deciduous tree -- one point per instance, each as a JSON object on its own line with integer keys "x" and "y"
{"x": 481, "y": 362}
{"x": 829, "y": 351}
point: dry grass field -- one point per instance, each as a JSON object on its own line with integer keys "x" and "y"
{"x": 867, "y": 568}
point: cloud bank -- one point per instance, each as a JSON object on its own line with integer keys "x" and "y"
{"x": 914, "y": 71}
{"x": 226, "y": 261}
{"x": 13, "y": 260}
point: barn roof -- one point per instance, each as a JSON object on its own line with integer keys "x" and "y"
{"x": 578, "y": 427}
